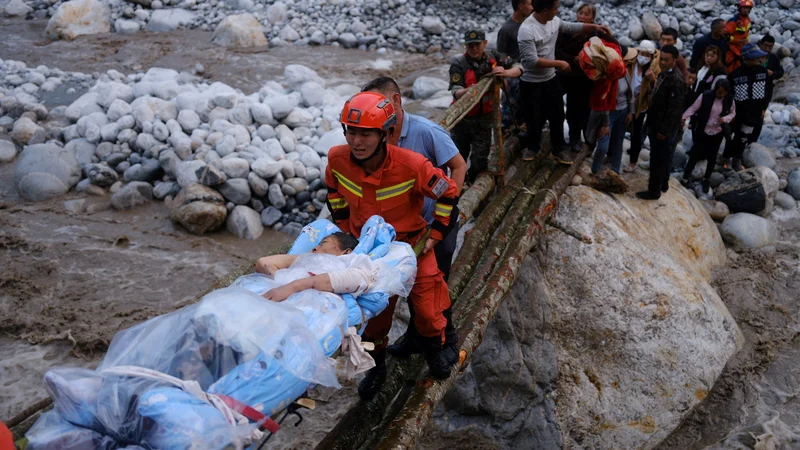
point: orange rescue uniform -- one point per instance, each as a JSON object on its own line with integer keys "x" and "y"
{"x": 396, "y": 192}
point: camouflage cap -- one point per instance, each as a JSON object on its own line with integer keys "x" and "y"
{"x": 474, "y": 36}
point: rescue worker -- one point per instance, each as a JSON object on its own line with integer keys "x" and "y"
{"x": 473, "y": 135}
{"x": 370, "y": 176}
{"x": 738, "y": 31}
{"x": 422, "y": 136}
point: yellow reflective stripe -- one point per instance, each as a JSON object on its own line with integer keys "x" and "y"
{"x": 443, "y": 210}
{"x": 338, "y": 203}
{"x": 349, "y": 185}
{"x": 394, "y": 191}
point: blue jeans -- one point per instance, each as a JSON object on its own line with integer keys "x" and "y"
{"x": 613, "y": 140}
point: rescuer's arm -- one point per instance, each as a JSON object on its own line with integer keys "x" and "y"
{"x": 433, "y": 183}
{"x": 340, "y": 210}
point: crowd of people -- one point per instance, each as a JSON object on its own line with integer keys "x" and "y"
{"x": 652, "y": 92}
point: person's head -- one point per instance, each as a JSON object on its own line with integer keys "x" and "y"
{"x": 669, "y": 37}
{"x": 722, "y": 88}
{"x": 745, "y": 6}
{"x": 691, "y": 76}
{"x": 522, "y": 7}
{"x": 767, "y": 43}
{"x": 367, "y": 118}
{"x": 545, "y": 9}
{"x": 711, "y": 57}
{"x": 718, "y": 28}
{"x": 628, "y": 54}
{"x": 752, "y": 55}
{"x": 646, "y": 51}
{"x": 336, "y": 244}
{"x": 669, "y": 56}
{"x": 475, "y": 43}
{"x": 387, "y": 87}
{"x": 586, "y": 13}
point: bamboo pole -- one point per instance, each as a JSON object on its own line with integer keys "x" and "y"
{"x": 405, "y": 430}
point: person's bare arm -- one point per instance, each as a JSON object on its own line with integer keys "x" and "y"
{"x": 318, "y": 282}
{"x": 458, "y": 170}
{"x": 268, "y": 265}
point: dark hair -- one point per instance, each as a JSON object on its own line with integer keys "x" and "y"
{"x": 541, "y": 5}
{"x": 692, "y": 70}
{"x": 382, "y": 84}
{"x": 591, "y": 7}
{"x": 722, "y": 83}
{"x": 670, "y": 50}
{"x": 515, "y": 4}
{"x": 716, "y": 22}
{"x": 670, "y": 32}
{"x": 345, "y": 241}
{"x": 716, "y": 65}
{"x": 767, "y": 39}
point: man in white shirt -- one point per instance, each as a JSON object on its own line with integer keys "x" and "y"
{"x": 542, "y": 96}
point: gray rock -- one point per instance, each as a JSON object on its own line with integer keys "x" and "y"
{"x": 8, "y": 151}
{"x": 652, "y": 27}
{"x": 258, "y": 185}
{"x": 169, "y": 19}
{"x": 44, "y": 171}
{"x": 298, "y": 184}
{"x": 241, "y": 31}
{"x": 209, "y": 175}
{"x": 266, "y": 168}
{"x": 275, "y": 196}
{"x": 758, "y": 155}
{"x": 199, "y": 209}
{"x": 262, "y": 114}
{"x": 244, "y": 223}
{"x": 787, "y": 4}
{"x": 189, "y": 120}
{"x": 270, "y": 216}
{"x": 235, "y": 167}
{"x": 162, "y": 189}
{"x": 149, "y": 170}
{"x": 16, "y": 8}
{"x": 237, "y": 190}
{"x": 186, "y": 172}
{"x": 281, "y": 106}
{"x": 793, "y": 184}
{"x": 433, "y": 25}
{"x": 424, "y": 87}
{"x": 76, "y": 18}
{"x": 101, "y": 175}
{"x": 26, "y": 131}
{"x": 83, "y": 151}
{"x": 705, "y": 6}
{"x": 132, "y": 195}
{"x": 348, "y": 40}
{"x": 785, "y": 201}
{"x": 743, "y": 231}
{"x": 716, "y": 179}
{"x": 296, "y": 75}
{"x": 277, "y": 13}
{"x": 299, "y": 117}
{"x": 225, "y": 146}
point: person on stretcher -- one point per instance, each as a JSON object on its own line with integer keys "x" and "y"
{"x": 355, "y": 276}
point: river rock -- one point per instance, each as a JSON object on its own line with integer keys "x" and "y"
{"x": 162, "y": 189}
{"x": 186, "y": 172}
{"x": 793, "y": 184}
{"x": 262, "y": 114}
{"x": 266, "y": 168}
{"x": 718, "y": 211}
{"x": 277, "y": 13}
{"x": 241, "y": 30}
{"x": 235, "y": 167}
{"x": 785, "y": 201}
{"x": 169, "y": 19}
{"x": 78, "y": 17}
{"x": 758, "y": 155}
{"x": 705, "y": 6}
{"x": 198, "y": 209}
{"x": 26, "y": 131}
{"x": 17, "y": 8}
{"x": 433, "y": 25}
{"x": 275, "y": 196}
{"x": 209, "y": 175}
{"x": 258, "y": 185}
{"x": 424, "y": 87}
{"x": 296, "y": 75}
{"x": 743, "y": 192}
{"x": 123, "y": 26}
{"x": 245, "y": 223}
{"x": 8, "y": 151}
{"x": 101, "y": 175}
{"x": 589, "y": 332}
{"x": 652, "y": 27}
{"x": 746, "y": 231}
{"x": 635, "y": 29}
{"x": 270, "y": 216}
{"x": 299, "y": 117}
{"x": 132, "y": 195}
{"x": 189, "y": 120}
{"x": 237, "y": 190}
{"x": 44, "y": 171}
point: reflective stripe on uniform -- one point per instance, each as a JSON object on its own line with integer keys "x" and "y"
{"x": 349, "y": 185}
{"x": 338, "y": 203}
{"x": 394, "y": 191}
{"x": 443, "y": 210}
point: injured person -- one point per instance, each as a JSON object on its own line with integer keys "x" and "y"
{"x": 192, "y": 375}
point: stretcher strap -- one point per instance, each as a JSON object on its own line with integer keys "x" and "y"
{"x": 232, "y": 416}
{"x": 252, "y": 414}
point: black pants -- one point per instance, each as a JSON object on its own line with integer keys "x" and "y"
{"x": 660, "y": 162}
{"x": 577, "y": 87}
{"x": 705, "y": 147}
{"x": 637, "y": 137}
{"x": 543, "y": 102}
{"x": 444, "y": 258}
{"x": 734, "y": 148}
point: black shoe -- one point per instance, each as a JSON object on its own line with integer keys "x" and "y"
{"x": 563, "y": 157}
{"x": 664, "y": 189}
{"x": 737, "y": 165}
{"x": 438, "y": 364}
{"x": 373, "y": 382}
{"x": 404, "y": 347}
{"x": 647, "y": 195}
{"x": 576, "y": 146}
{"x": 451, "y": 354}
{"x": 528, "y": 155}
{"x": 706, "y": 185}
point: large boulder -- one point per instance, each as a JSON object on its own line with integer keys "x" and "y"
{"x": 652, "y": 27}
{"x": 603, "y": 345}
{"x": 44, "y": 171}
{"x": 169, "y": 19}
{"x": 79, "y": 17}
{"x": 424, "y": 87}
{"x": 758, "y": 155}
{"x": 296, "y": 75}
{"x": 132, "y": 195}
{"x": 241, "y": 30}
{"x": 245, "y": 223}
{"x": 751, "y": 191}
{"x": 198, "y": 209}
{"x": 793, "y": 184}
{"x": 16, "y": 8}
{"x": 743, "y": 231}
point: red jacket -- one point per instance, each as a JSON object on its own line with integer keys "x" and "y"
{"x": 396, "y": 192}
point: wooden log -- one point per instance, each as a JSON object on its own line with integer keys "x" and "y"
{"x": 411, "y": 422}
{"x": 458, "y": 110}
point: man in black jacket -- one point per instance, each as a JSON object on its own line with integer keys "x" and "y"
{"x": 716, "y": 37}
{"x": 750, "y": 91}
{"x": 774, "y": 72}
{"x": 663, "y": 122}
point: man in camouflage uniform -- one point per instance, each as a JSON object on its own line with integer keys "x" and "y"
{"x": 473, "y": 135}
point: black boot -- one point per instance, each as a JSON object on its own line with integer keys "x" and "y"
{"x": 435, "y": 357}
{"x": 706, "y": 185}
{"x": 450, "y": 338}
{"x": 404, "y": 347}
{"x": 372, "y": 383}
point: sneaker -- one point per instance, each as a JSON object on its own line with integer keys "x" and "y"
{"x": 563, "y": 157}
{"x": 404, "y": 347}
{"x": 630, "y": 168}
{"x": 438, "y": 364}
{"x": 647, "y": 195}
{"x": 528, "y": 155}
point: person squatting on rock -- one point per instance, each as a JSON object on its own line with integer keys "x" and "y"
{"x": 421, "y": 136}
{"x": 737, "y": 29}
{"x": 541, "y": 91}
{"x": 575, "y": 82}
{"x": 370, "y": 176}
{"x": 642, "y": 75}
{"x": 609, "y": 100}
{"x": 749, "y": 84}
{"x": 473, "y": 134}
{"x": 507, "y": 45}
{"x": 710, "y": 114}
{"x": 663, "y": 122}
{"x": 716, "y": 38}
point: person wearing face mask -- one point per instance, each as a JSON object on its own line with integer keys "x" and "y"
{"x": 711, "y": 112}
{"x": 642, "y": 74}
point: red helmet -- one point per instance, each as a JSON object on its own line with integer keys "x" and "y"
{"x": 368, "y": 110}
{"x": 746, "y": 3}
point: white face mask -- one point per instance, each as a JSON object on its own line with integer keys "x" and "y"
{"x": 643, "y": 60}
